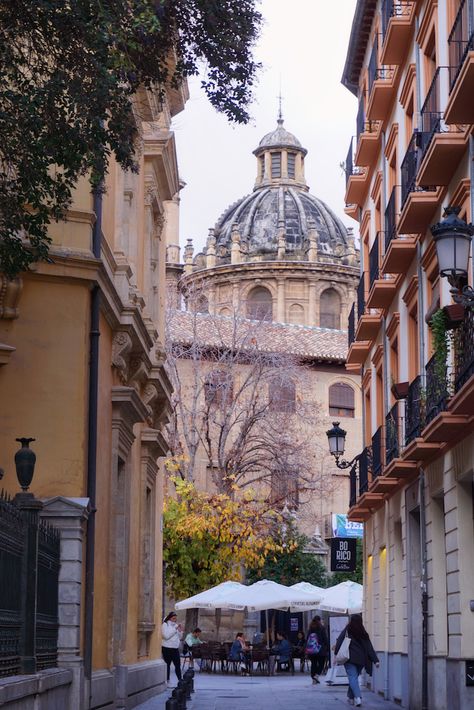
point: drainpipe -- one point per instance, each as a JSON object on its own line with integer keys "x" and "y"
{"x": 424, "y": 595}
{"x": 92, "y": 447}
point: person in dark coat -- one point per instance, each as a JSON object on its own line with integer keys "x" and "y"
{"x": 361, "y": 655}
{"x": 318, "y": 660}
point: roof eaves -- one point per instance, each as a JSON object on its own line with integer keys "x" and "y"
{"x": 360, "y": 33}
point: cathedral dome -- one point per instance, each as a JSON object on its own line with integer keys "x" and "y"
{"x": 278, "y": 212}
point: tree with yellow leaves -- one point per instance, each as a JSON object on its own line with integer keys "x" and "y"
{"x": 210, "y": 537}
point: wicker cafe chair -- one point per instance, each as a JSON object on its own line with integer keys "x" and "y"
{"x": 261, "y": 657}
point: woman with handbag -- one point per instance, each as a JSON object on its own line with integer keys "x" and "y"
{"x": 317, "y": 647}
{"x": 354, "y": 649}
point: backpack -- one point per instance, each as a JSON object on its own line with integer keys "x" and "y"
{"x": 313, "y": 646}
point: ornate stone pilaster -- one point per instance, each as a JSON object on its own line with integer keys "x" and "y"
{"x": 280, "y": 300}
{"x": 10, "y": 292}
{"x": 313, "y": 316}
{"x": 211, "y": 250}
{"x": 68, "y": 516}
{"x": 235, "y": 255}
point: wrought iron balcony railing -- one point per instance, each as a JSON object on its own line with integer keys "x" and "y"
{"x": 460, "y": 42}
{"x": 363, "y": 124}
{"x": 353, "y": 486}
{"x": 390, "y": 219}
{"x": 464, "y": 350}
{"x": 436, "y": 387}
{"x": 430, "y": 113}
{"x": 349, "y": 167}
{"x": 351, "y": 326}
{"x": 364, "y": 472}
{"x": 393, "y": 8}
{"x": 414, "y": 410}
{"x": 409, "y": 168}
{"x": 377, "y": 453}
{"x": 374, "y": 261}
{"x": 392, "y": 435}
{"x": 361, "y": 297}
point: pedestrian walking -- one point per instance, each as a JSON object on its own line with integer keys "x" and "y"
{"x": 317, "y": 647}
{"x": 361, "y": 655}
{"x": 172, "y": 634}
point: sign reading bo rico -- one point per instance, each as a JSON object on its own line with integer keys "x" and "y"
{"x": 343, "y": 554}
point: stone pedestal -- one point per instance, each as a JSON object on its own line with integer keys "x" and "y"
{"x": 68, "y": 515}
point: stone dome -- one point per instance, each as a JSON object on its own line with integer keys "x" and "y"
{"x": 280, "y": 137}
{"x": 271, "y": 213}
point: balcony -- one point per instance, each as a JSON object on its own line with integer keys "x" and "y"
{"x": 399, "y": 250}
{"x": 397, "y": 28}
{"x": 441, "y": 426}
{"x": 382, "y": 288}
{"x": 368, "y": 324}
{"x": 381, "y": 87}
{"x": 368, "y": 138}
{"x": 418, "y": 203}
{"x": 357, "y": 180}
{"x": 351, "y": 327}
{"x": 460, "y": 107}
{"x": 362, "y": 507}
{"x": 416, "y": 448}
{"x": 463, "y": 399}
{"x": 441, "y": 147}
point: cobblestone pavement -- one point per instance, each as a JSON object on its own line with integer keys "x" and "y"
{"x": 281, "y": 692}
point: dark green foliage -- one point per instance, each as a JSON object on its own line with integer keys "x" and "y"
{"x": 291, "y": 566}
{"x": 69, "y": 72}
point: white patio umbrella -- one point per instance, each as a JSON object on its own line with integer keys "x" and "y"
{"x": 213, "y": 598}
{"x": 343, "y": 598}
{"x": 315, "y": 594}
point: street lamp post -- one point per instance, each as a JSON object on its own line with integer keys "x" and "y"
{"x": 337, "y": 441}
{"x": 452, "y": 237}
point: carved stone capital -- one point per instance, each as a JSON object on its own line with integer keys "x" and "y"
{"x": 138, "y": 373}
{"x": 10, "y": 292}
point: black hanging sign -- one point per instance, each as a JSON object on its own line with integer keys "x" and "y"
{"x": 343, "y": 554}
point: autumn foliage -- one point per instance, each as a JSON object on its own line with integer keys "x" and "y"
{"x": 210, "y": 537}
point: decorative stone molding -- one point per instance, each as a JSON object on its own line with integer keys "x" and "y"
{"x": 138, "y": 373}
{"x": 10, "y": 292}
{"x": 5, "y": 352}
{"x": 121, "y": 347}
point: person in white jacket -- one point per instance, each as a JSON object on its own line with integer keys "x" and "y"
{"x": 172, "y": 634}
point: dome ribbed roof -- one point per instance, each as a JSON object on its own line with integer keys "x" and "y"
{"x": 260, "y": 217}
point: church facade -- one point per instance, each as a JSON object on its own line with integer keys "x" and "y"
{"x": 280, "y": 263}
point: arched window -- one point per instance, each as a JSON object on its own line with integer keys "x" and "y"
{"x": 330, "y": 309}
{"x": 296, "y": 314}
{"x": 218, "y": 389}
{"x": 341, "y": 400}
{"x": 282, "y": 396}
{"x": 259, "y": 304}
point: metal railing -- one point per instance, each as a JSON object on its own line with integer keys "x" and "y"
{"x": 414, "y": 410}
{"x": 392, "y": 435}
{"x": 436, "y": 387}
{"x": 464, "y": 350}
{"x": 351, "y": 326}
{"x": 377, "y": 453}
{"x": 409, "y": 168}
{"x": 353, "y": 486}
{"x": 361, "y": 297}
{"x": 362, "y": 124}
{"x": 364, "y": 472}
{"x": 372, "y": 70}
{"x": 390, "y": 219}
{"x": 430, "y": 113}
{"x": 374, "y": 259}
{"x": 393, "y": 8}
{"x": 460, "y": 42}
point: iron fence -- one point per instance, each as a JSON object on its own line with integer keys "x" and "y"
{"x": 414, "y": 410}
{"x": 430, "y": 113}
{"x": 19, "y": 566}
{"x": 390, "y": 219}
{"x": 393, "y": 8}
{"x": 377, "y": 454}
{"x": 363, "y": 472}
{"x": 374, "y": 261}
{"x": 436, "y": 387}
{"x": 392, "y": 439}
{"x": 351, "y": 328}
{"x": 361, "y": 297}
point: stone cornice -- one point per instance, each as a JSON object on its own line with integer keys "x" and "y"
{"x": 5, "y": 352}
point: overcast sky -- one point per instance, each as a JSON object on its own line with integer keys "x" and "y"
{"x": 304, "y": 42}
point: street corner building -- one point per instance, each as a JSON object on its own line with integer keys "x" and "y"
{"x": 275, "y": 280}
{"x": 411, "y": 335}
{"x": 81, "y": 371}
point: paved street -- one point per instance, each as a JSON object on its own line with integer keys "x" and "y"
{"x": 230, "y": 692}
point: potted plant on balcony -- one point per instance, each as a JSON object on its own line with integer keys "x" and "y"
{"x": 442, "y": 342}
{"x": 454, "y": 315}
{"x": 400, "y": 389}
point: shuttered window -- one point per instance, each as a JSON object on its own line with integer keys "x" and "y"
{"x": 341, "y": 400}
{"x": 291, "y": 165}
{"x": 276, "y": 165}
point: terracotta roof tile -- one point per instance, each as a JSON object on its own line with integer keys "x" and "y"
{"x": 306, "y": 341}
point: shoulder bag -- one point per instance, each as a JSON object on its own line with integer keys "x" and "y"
{"x": 343, "y": 655}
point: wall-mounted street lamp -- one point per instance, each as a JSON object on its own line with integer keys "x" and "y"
{"x": 452, "y": 237}
{"x": 337, "y": 442}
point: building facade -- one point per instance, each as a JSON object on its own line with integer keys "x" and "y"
{"x": 410, "y": 65}
{"x": 281, "y": 265}
{"x": 96, "y": 407}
